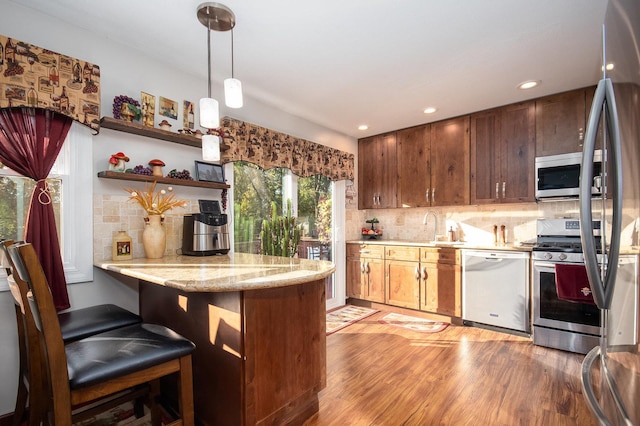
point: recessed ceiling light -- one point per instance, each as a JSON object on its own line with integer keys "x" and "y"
{"x": 429, "y": 110}
{"x": 610, "y": 66}
{"x": 530, "y": 84}
{"x": 363, "y": 127}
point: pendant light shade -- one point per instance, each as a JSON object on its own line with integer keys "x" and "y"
{"x": 210, "y": 148}
{"x": 233, "y": 93}
{"x": 232, "y": 86}
{"x": 209, "y": 113}
{"x": 217, "y": 17}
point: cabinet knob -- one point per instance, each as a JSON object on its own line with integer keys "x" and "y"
{"x": 424, "y": 273}
{"x": 504, "y": 189}
{"x": 418, "y": 273}
{"x": 433, "y": 195}
{"x": 497, "y": 189}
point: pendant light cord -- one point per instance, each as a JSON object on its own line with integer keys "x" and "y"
{"x": 232, "y": 52}
{"x": 209, "y": 50}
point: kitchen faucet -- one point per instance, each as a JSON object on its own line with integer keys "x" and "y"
{"x": 435, "y": 223}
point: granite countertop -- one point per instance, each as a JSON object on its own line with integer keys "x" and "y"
{"x": 443, "y": 244}
{"x": 232, "y": 272}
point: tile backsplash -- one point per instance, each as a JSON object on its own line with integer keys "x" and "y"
{"x": 113, "y": 213}
{"x": 473, "y": 224}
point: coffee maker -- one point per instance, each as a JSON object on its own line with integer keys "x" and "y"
{"x": 205, "y": 233}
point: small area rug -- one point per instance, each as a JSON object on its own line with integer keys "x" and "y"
{"x": 345, "y": 316}
{"x": 413, "y": 323}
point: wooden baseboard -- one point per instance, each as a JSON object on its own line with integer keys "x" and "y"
{"x": 405, "y": 311}
{"x": 6, "y": 419}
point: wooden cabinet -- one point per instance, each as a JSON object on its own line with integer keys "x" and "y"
{"x": 561, "y": 122}
{"x": 402, "y": 275}
{"x": 450, "y": 162}
{"x": 441, "y": 285}
{"x": 377, "y": 172}
{"x": 365, "y": 272}
{"x": 414, "y": 166}
{"x": 420, "y": 278}
{"x": 433, "y": 164}
{"x": 502, "y": 155}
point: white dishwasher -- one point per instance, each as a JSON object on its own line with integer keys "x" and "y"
{"x": 495, "y": 288}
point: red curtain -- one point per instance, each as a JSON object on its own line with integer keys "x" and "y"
{"x": 30, "y": 140}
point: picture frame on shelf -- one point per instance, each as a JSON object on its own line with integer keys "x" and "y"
{"x": 208, "y": 172}
{"x": 148, "y": 102}
{"x": 168, "y": 108}
{"x": 188, "y": 120}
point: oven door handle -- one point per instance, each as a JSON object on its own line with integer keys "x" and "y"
{"x": 603, "y": 100}
{"x": 541, "y": 264}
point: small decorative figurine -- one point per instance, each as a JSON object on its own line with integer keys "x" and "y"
{"x": 156, "y": 167}
{"x": 117, "y": 162}
{"x": 164, "y": 125}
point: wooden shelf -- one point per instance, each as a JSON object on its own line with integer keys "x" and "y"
{"x": 165, "y": 135}
{"x": 165, "y": 180}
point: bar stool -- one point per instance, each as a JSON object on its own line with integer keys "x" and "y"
{"x": 105, "y": 364}
{"x": 76, "y": 324}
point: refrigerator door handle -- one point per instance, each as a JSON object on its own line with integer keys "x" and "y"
{"x": 603, "y": 100}
{"x": 587, "y": 387}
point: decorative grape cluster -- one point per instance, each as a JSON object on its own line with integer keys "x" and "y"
{"x": 117, "y": 105}
{"x": 224, "y": 199}
{"x": 174, "y": 174}
{"x": 141, "y": 170}
{"x": 13, "y": 68}
{"x": 91, "y": 87}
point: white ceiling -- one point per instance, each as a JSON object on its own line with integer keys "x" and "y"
{"x": 342, "y": 63}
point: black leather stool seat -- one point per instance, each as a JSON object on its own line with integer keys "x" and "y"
{"x": 85, "y": 322}
{"x": 115, "y": 353}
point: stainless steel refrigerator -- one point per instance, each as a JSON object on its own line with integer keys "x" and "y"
{"x": 611, "y": 371}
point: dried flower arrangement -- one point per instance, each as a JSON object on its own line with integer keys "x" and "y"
{"x": 155, "y": 202}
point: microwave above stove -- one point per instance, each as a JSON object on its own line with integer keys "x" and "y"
{"x": 558, "y": 176}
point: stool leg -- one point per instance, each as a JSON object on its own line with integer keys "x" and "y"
{"x": 185, "y": 390}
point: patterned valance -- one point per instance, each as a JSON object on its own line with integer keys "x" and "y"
{"x": 268, "y": 148}
{"x": 33, "y": 76}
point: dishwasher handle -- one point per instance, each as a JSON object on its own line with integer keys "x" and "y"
{"x": 495, "y": 255}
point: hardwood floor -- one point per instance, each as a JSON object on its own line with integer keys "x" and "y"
{"x": 378, "y": 374}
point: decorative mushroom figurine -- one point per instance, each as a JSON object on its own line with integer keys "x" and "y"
{"x": 156, "y": 167}
{"x": 117, "y": 162}
{"x": 164, "y": 125}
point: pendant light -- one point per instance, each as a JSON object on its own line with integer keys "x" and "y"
{"x": 218, "y": 17}
{"x": 232, "y": 86}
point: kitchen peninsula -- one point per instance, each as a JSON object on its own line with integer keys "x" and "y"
{"x": 259, "y": 326}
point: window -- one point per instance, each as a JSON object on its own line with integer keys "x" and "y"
{"x": 70, "y": 183}
{"x": 312, "y": 200}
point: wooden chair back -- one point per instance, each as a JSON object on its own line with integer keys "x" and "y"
{"x": 41, "y": 316}
{"x": 30, "y": 364}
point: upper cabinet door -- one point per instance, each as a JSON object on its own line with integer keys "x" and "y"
{"x": 518, "y": 153}
{"x": 377, "y": 172}
{"x": 450, "y": 162}
{"x": 414, "y": 184}
{"x": 560, "y": 123}
{"x": 485, "y": 157}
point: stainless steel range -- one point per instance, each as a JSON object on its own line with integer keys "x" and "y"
{"x": 562, "y": 324}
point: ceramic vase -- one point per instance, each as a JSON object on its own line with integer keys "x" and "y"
{"x": 154, "y": 239}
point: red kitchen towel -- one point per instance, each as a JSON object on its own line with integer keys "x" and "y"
{"x": 572, "y": 284}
